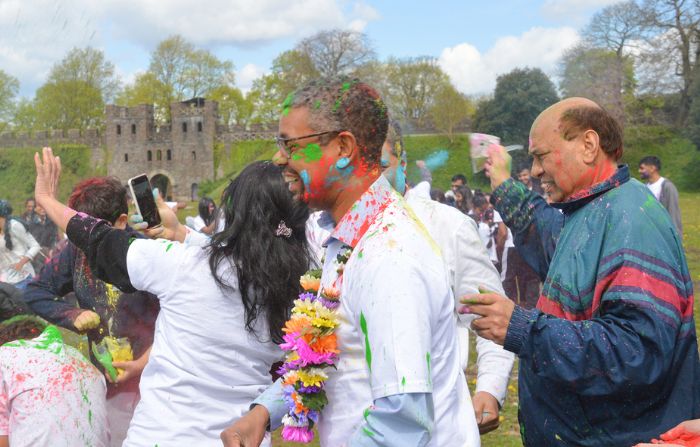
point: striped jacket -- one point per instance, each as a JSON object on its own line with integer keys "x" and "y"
{"x": 610, "y": 355}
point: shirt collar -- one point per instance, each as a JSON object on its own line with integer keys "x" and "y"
{"x": 582, "y": 197}
{"x": 362, "y": 214}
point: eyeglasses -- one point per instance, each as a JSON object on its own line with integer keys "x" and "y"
{"x": 283, "y": 143}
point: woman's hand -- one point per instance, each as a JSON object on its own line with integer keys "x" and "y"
{"x": 48, "y": 171}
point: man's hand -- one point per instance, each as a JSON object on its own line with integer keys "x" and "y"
{"x": 170, "y": 227}
{"x": 498, "y": 165}
{"x": 249, "y": 430}
{"x": 86, "y": 320}
{"x": 48, "y": 171}
{"x": 486, "y": 411}
{"x": 495, "y": 311}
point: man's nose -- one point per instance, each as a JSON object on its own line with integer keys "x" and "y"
{"x": 536, "y": 170}
{"x": 280, "y": 158}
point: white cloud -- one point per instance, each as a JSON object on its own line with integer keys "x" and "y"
{"x": 246, "y": 75}
{"x": 36, "y": 34}
{"x": 473, "y": 72}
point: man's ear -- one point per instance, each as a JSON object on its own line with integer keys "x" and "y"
{"x": 347, "y": 146}
{"x": 120, "y": 223}
{"x": 591, "y": 146}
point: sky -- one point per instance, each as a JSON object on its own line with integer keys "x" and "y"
{"x": 473, "y": 40}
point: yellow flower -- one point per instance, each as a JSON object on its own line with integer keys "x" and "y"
{"x": 312, "y": 377}
{"x": 321, "y": 316}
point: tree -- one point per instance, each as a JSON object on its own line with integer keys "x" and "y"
{"x": 25, "y": 115}
{"x": 147, "y": 89}
{"x": 616, "y": 28}
{"x": 188, "y": 72}
{"x": 599, "y": 74}
{"x": 520, "y": 96}
{"x": 412, "y": 86}
{"x": 234, "y": 107}
{"x": 265, "y": 98}
{"x": 69, "y": 104}
{"x": 76, "y": 90}
{"x": 9, "y": 86}
{"x": 677, "y": 27}
{"x": 450, "y": 109}
{"x": 337, "y": 52}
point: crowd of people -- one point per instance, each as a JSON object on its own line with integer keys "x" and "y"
{"x": 331, "y": 297}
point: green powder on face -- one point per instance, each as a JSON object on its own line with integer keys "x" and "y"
{"x": 312, "y": 152}
{"x": 368, "y": 350}
{"x": 287, "y": 104}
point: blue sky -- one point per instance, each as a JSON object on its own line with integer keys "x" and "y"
{"x": 474, "y": 41}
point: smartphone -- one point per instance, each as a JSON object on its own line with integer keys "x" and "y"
{"x": 145, "y": 204}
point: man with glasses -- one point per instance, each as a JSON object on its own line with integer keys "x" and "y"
{"x": 398, "y": 381}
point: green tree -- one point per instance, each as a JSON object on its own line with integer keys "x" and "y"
{"x": 450, "y": 109}
{"x": 25, "y": 115}
{"x": 9, "y": 86}
{"x": 147, "y": 89}
{"x": 76, "y": 90}
{"x": 337, "y": 52}
{"x": 599, "y": 74}
{"x": 234, "y": 107}
{"x": 519, "y": 97}
{"x": 412, "y": 85}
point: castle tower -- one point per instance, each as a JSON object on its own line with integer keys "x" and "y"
{"x": 177, "y": 158}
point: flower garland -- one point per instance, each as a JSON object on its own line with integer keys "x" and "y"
{"x": 311, "y": 345}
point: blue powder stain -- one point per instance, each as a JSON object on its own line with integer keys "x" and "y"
{"x": 307, "y": 181}
{"x": 437, "y": 159}
{"x": 401, "y": 179}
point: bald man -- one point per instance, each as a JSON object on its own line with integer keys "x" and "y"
{"x": 609, "y": 357}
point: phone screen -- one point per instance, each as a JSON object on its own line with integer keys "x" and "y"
{"x": 143, "y": 196}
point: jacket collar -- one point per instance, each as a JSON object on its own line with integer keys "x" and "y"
{"x": 583, "y": 197}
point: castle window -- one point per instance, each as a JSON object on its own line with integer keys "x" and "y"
{"x": 169, "y": 154}
{"x": 199, "y": 126}
{"x": 133, "y": 129}
{"x": 184, "y": 127}
{"x": 194, "y": 155}
{"x": 126, "y": 157}
{"x": 119, "y": 129}
{"x": 159, "y": 155}
{"x": 149, "y": 156}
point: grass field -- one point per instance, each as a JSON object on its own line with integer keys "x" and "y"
{"x": 508, "y": 434}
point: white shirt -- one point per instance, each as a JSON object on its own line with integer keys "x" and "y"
{"x": 198, "y": 223}
{"x": 468, "y": 267}
{"x": 656, "y": 187}
{"x": 23, "y": 244}
{"x": 397, "y": 303}
{"x": 316, "y": 236}
{"x": 204, "y": 368}
{"x": 50, "y": 395}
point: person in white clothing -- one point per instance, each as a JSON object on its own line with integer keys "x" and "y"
{"x": 50, "y": 394}
{"x": 17, "y": 249}
{"x": 222, "y": 306}
{"x": 398, "y": 381}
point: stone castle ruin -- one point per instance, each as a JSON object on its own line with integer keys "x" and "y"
{"x": 176, "y": 157}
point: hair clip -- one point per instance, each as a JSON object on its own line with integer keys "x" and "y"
{"x": 283, "y": 230}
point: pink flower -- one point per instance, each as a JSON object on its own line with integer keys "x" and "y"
{"x": 298, "y": 434}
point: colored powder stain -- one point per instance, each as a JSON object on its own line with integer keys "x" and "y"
{"x": 368, "y": 432}
{"x": 346, "y": 87}
{"x": 306, "y": 180}
{"x": 313, "y": 152}
{"x": 287, "y": 104}
{"x": 368, "y": 350}
{"x": 112, "y": 294}
{"x": 437, "y": 159}
{"x": 427, "y": 359}
{"x": 557, "y": 437}
{"x": 90, "y": 417}
{"x": 317, "y": 104}
{"x": 131, "y": 239}
{"x": 170, "y": 245}
{"x": 365, "y": 415}
{"x": 403, "y": 381}
{"x": 360, "y": 254}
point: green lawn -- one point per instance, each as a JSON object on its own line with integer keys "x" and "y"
{"x": 508, "y": 434}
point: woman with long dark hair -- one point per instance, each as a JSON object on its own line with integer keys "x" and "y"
{"x": 463, "y": 199}
{"x": 222, "y": 306}
{"x": 205, "y": 221}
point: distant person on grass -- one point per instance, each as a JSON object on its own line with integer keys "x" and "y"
{"x": 662, "y": 188}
